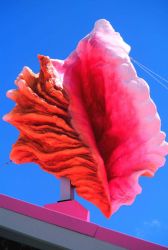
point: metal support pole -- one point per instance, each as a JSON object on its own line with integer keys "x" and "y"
{"x": 67, "y": 191}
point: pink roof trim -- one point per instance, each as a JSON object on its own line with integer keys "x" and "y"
{"x": 77, "y": 225}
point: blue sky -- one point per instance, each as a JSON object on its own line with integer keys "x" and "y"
{"x": 53, "y": 28}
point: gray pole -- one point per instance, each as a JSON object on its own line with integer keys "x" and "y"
{"x": 67, "y": 191}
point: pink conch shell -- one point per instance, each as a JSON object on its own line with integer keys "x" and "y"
{"x": 90, "y": 118}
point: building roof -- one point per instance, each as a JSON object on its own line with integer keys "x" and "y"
{"x": 46, "y": 229}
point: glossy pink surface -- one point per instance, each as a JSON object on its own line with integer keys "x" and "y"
{"x": 72, "y": 208}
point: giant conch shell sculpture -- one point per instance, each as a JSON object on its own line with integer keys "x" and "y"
{"x": 90, "y": 118}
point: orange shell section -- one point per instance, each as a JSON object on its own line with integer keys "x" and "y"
{"x": 48, "y": 138}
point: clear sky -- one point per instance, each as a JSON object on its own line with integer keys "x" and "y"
{"x": 53, "y": 28}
